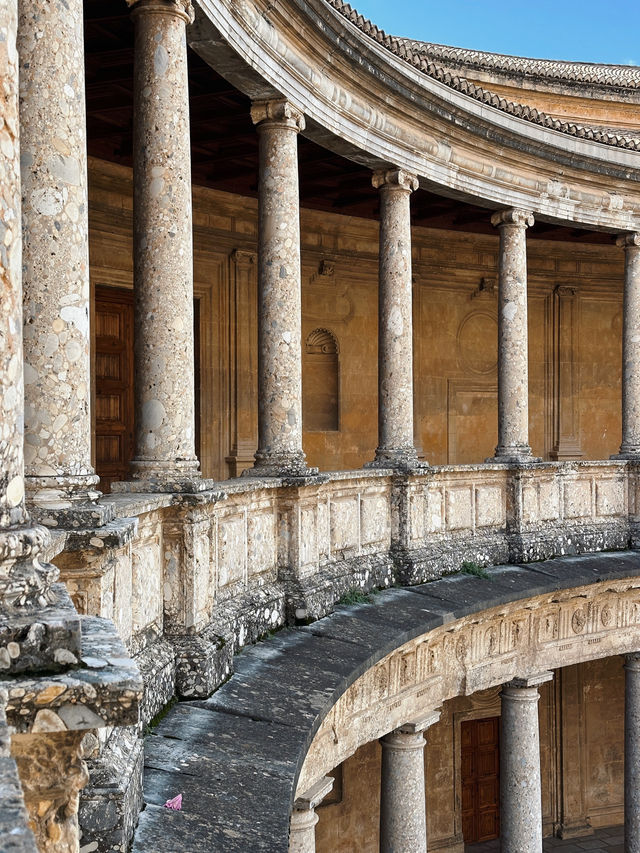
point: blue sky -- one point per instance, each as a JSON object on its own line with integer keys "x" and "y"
{"x": 587, "y": 30}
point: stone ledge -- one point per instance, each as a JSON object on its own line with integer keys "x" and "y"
{"x": 105, "y": 691}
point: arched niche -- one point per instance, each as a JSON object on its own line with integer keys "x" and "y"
{"x": 321, "y": 382}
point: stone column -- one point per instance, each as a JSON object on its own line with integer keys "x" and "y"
{"x": 520, "y": 789}
{"x": 279, "y": 298}
{"x": 632, "y": 753}
{"x": 630, "y": 447}
{"x": 165, "y": 458}
{"x": 23, "y": 580}
{"x": 395, "y": 325}
{"x": 403, "y": 819}
{"x": 513, "y": 379}
{"x": 61, "y": 482}
{"x": 302, "y": 836}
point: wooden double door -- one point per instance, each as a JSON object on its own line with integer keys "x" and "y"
{"x": 480, "y": 747}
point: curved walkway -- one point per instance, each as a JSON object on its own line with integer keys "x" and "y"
{"x": 236, "y": 757}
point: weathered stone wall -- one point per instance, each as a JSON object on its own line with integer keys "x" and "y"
{"x": 584, "y": 708}
{"x": 575, "y": 317}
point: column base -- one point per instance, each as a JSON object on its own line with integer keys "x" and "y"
{"x": 629, "y": 452}
{"x": 287, "y": 465}
{"x": 148, "y": 477}
{"x": 519, "y": 454}
{"x": 67, "y": 501}
{"x": 399, "y": 459}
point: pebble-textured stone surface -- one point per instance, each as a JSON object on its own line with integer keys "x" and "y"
{"x": 237, "y": 756}
{"x": 279, "y": 294}
{"x": 630, "y": 447}
{"x": 632, "y": 753}
{"x": 395, "y": 323}
{"x": 403, "y": 820}
{"x": 55, "y": 255}
{"x": 520, "y": 788}
{"x": 513, "y": 376}
{"x": 163, "y": 250}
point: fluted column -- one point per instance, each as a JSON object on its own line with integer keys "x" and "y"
{"x": 513, "y": 366}
{"x": 395, "y": 324}
{"x": 61, "y": 481}
{"x": 279, "y": 298}
{"x": 520, "y": 788}
{"x": 632, "y": 753}
{"x": 165, "y": 458}
{"x": 23, "y": 580}
{"x": 302, "y": 835}
{"x": 403, "y": 819}
{"x": 630, "y": 447}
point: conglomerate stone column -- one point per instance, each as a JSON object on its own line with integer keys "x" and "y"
{"x": 395, "y": 325}
{"x": 513, "y": 379}
{"x": 279, "y": 298}
{"x": 520, "y": 789}
{"x": 57, "y": 370}
{"x": 630, "y": 447}
{"x": 632, "y": 753}
{"x": 302, "y": 835}
{"x": 403, "y": 819}
{"x": 165, "y": 458}
{"x": 23, "y": 580}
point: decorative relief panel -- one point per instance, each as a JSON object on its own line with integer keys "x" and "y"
{"x": 231, "y": 549}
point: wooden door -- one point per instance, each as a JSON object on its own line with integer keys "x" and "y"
{"x": 114, "y": 406}
{"x": 480, "y": 779}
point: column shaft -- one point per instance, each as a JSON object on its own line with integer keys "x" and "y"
{"x": 520, "y": 788}
{"x": 630, "y": 447}
{"x": 163, "y": 252}
{"x": 513, "y": 379}
{"x": 632, "y": 754}
{"x": 302, "y": 838}
{"x": 23, "y": 580}
{"x": 403, "y": 818}
{"x": 55, "y": 258}
{"x": 395, "y": 324}
{"x": 279, "y": 297}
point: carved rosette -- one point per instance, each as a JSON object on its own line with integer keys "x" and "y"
{"x": 513, "y": 216}
{"x": 182, "y": 8}
{"x": 395, "y": 179}
{"x": 278, "y": 112}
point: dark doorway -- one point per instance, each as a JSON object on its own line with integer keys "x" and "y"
{"x": 480, "y": 747}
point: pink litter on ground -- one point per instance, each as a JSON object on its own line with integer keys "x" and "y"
{"x": 175, "y": 803}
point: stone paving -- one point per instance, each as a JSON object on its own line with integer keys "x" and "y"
{"x": 606, "y": 840}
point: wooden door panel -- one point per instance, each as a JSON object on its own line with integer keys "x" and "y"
{"x": 480, "y": 768}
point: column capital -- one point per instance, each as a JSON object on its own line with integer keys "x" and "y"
{"x": 395, "y": 178}
{"x": 513, "y": 216}
{"x": 632, "y": 661}
{"x": 420, "y": 724}
{"x": 628, "y": 241}
{"x": 523, "y": 682}
{"x": 182, "y": 8}
{"x": 279, "y": 112}
{"x": 314, "y": 795}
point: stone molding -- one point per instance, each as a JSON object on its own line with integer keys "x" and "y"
{"x": 182, "y": 8}
{"x": 513, "y": 216}
{"x": 279, "y": 112}
{"x": 395, "y": 179}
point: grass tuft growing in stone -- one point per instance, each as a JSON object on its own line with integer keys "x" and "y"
{"x": 356, "y": 596}
{"x": 468, "y": 567}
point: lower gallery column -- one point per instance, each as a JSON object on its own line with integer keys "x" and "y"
{"x": 60, "y": 476}
{"x": 403, "y": 819}
{"x": 520, "y": 789}
{"x": 302, "y": 836}
{"x": 395, "y": 324}
{"x": 632, "y": 753}
{"x": 279, "y": 297}
{"x": 513, "y": 357}
{"x": 165, "y": 458}
{"x": 630, "y": 447}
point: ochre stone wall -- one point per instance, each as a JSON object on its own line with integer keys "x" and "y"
{"x": 581, "y": 749}
{"x": 575, "y": 310}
